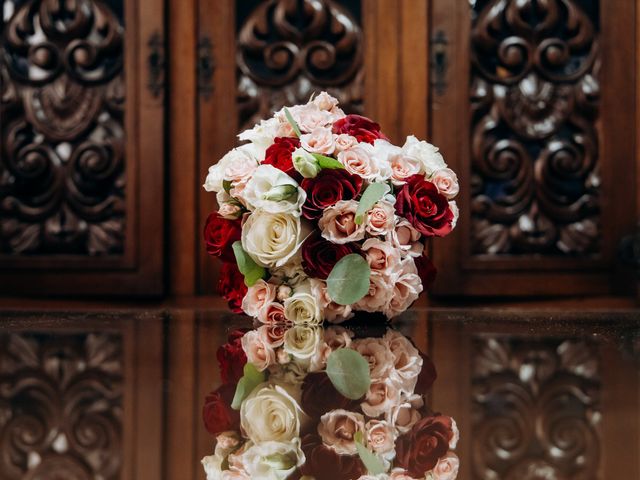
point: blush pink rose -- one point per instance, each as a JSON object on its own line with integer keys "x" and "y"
{"x": 320, "y": 140}
{"x": 381, "y": 218}
{"x": 403, "y": 167}
{"x": 406, "y": 414}
{"x": 338, "y": 223}
{"x": 446, "y": 181}
{"x": 377, "y": 353}
{"x": 258, "y": 351}
{"x": 230, "y": 211}
{"x": 308, "y": 117}
{"x": 324, "y": 101}
{"x": 272, "y": 313}
{"x": 337, "y": 429}
{"x": 407, "y": 238}
{"x": 258, "y": 295}
{"x": 338, "y": 337}
{"x": 380, "y": 436}
{"x": 381, "y": 256}
{"x": 381, "y": 396}
{"x": 447, "y": 467}
{"x": 333, "y": 312}
{"x": 358, "y": 160}
{"x": 407, "y": 287}
{"x": 273, "y": 335}
{"x": 344, "y": 142}
{"x": 407, "y": 362}
{"x": 379, "y": 294}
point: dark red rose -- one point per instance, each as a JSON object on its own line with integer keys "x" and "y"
{"x": 363, "y": 128}
{"x": 426, "y": 271}
{"x": 319, "y": 396}
{"x": 217, "y": 414}
{"x": 219, "y": 235}
{"x": 320, "y": 255}
{"x": 323, "y": 462}
{"x": 427, "y": 376}
{"x": 418, "y": 450}
{"x": 231, "y": 286}
{"x": 231, "y": 358}
{"x": 279, "y": 155}
{"x": 428, "y": 211}
{"x": 327, "y": 189}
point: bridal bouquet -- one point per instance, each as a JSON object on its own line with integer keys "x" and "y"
{"x": 321, "y": 216}
{"x": 303, "y": 402}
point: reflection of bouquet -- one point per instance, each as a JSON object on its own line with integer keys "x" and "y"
{"x": 319, "y": 404}
{"x": 320, "y": 216}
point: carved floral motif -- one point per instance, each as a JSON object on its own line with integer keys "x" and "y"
{"x": 535, "y": 98}
{"x": 62, "y": 181}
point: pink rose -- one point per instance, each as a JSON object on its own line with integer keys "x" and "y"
{"x": 320, "y": 140}
{"x": 338, "y": 428}
{"x": 381, "y": 256}
{"x": 319, "y": 359}
{"x": 407, "y": 362}
{"x": 400, "y": 474}
{"x": 272, "y": 313}
{"x": 407, "y": 287}
{"x": 358, "y": 160}
{"x": 324, "y": 101}
{"x": 230, "y": 211}
{"x": 381, "y": 396}
{"x": 333, "y": 312}
{"x": 407, "y": 238}
{"x": 377, "y": 353}
{"x": 380, "y": 436}
{"x": 405, "y": 415}
{"x": 379, "y": 294}
{"x": 453, "y": 443}
{"x": 447, "y": 467}
{"x": 308, "y": 117}
{"x": 344, "y": 142}
{"x": 338, "y": 337}
{"x": 226, "y": 442}
{"x": 240, "y": 170}
{"x": 381, "y": 218}
{"x": 338, "y": 223}
{"x": 273, "y": 335}
{"x": 258, "y": 295}
{"x": 403, "y": 167}
{"x": 258, "y": 351}
{"x": 446, "y": 181}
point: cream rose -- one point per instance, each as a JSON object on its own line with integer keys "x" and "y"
{"x": 379, "y": 294}
{"x": 273, "y": 191}
{"x": 407, "y": 362}
{"x": 381, "y": 397}
{"x": 319, "y": 140}
{"x": 212, "y": 465}
{"x": 446, "y": 468}
{"x": 237, "y": 159}
{"x": 381, "y": 218}
{"x": 344, "y": 142}
{"x": 258, "y": 295}
{"x": 258, "y": 351}
{"x": 271, "y": 239}
{"x": 380, "y": 436}
{"x": 447, "y": 182}
{"x": 337, "y": 429}
{"x": 430, "y": 158}
{"x": 382, "y": 257}
{"x": 270, "y": 413}
{"x": 302, "y": 341}
{"x": 302, "y": 307}
{"x": 234, "y": 474}
{"x": 338, "y": 223}
{"x": 273, "y": 460}
{"x": 407, "y": 287}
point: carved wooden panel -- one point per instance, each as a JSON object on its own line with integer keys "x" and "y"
{"x": 62, "y": 99}
{"x": 535, "y": 101}
{"x": 61, "y": 405}
{"x": 536, "y": 409}
{"x": 287, "y": 49}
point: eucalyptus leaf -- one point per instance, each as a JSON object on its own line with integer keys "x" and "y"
{"x": 348, "y": 282}
{"x": 371, "y": 461}
{"x": 327, "y": 162}
{"x": 370, "y": 197}
{"x": 250, "y": 380}
{"x": 349, "y": 373}
{"x": 292, "y": 122}
{"x": 251, "y": 270}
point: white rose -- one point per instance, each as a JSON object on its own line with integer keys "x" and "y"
{"x": 273, "y": 460}
{"x": 456, "y": 213}
{"x": 273, "y": 191}
{"x": 305, "y": 163}
{"x": 271, "y": 239}
{"x": 270, "y": 413}
{"x": 427, "y": 154}
{"x": 290, "y": 273}
{"x": 302, "y": 341}
{"x": 218, "y": 173}
{"x": 303, "y": 308}
{"x": 261, "y": 136}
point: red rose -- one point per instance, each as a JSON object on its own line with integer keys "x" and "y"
{"x": 426, "y": 271}
{"x": 320, "y": 255}
{"x": 323, "y": 462}
{"x": 363, "y": 128}
{"x": 428, "y": 211}
{"x": 219, "y": 235}
{"x": 231, "y": 286}
{"x": 279, "y": 155}
{"x": 231, "y": 358}
{"x": 217, "y": 414}
{"x": 427, "y": 376}
{"x": 419, "y": 450}
{"x": 328, "y": 188}
{"x": 319, "y": 396}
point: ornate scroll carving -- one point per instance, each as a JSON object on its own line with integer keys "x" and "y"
{"x": 535, "y": 99}
{"x": 62, "y": 95}
{"x": 287, "y": 49}
{"x": 60, "y": 406}
{"x": 535, "y": 409}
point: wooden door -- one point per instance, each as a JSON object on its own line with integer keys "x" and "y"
{"x": 81, "y": 148}
{"x": 533, "y": 105}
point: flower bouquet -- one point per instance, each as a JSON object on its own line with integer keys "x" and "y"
{"x": 320, "y": 216}
{"x": 307, "y": 402}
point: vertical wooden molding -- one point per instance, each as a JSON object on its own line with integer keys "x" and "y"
{"x": 183, "y": 172}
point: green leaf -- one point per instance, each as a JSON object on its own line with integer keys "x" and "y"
{"x": 226, "y": 184}
{"x": 327, "y": 162}
{"x": 251, "y": 270}
{"x": 371, "y": 461}
{"x": 348, "y": 282}
{"x": 250, "y": 380}
{"x": 293, "y": 123}
{"x": 349, "y": 373}
{"x": 370, "y": 197}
